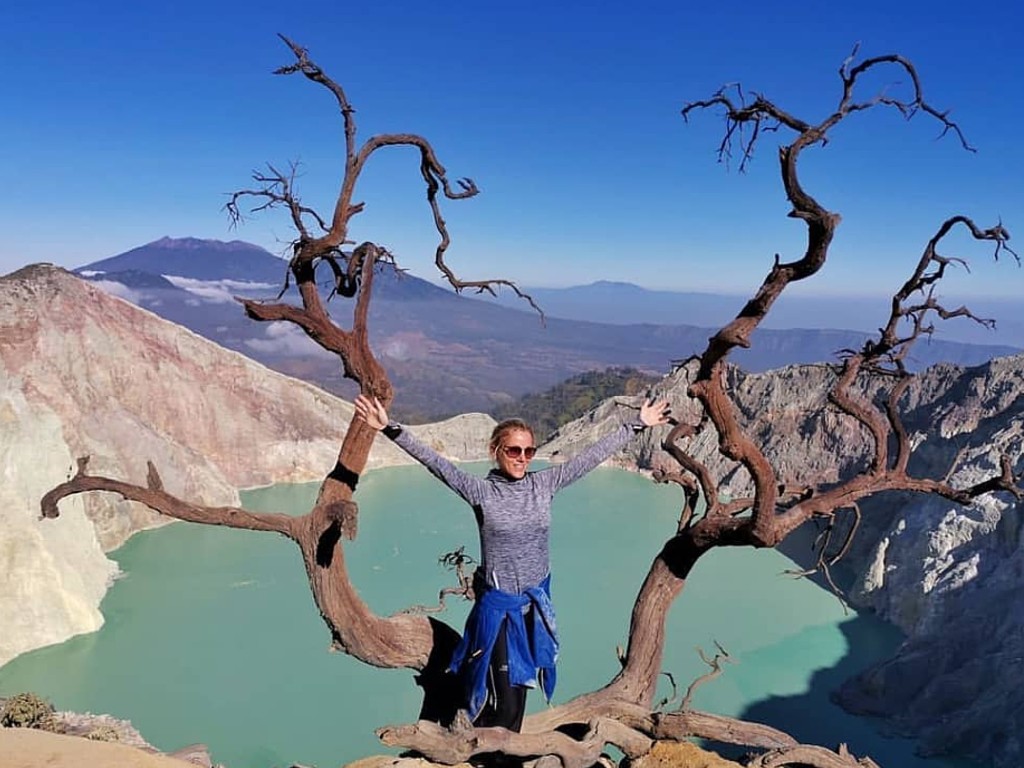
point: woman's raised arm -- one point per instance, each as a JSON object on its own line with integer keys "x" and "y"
{"x": 652, "y": 413}
{"x": 469, "y": 487}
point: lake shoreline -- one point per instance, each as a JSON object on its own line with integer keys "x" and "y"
{"x": 408, "y": 519}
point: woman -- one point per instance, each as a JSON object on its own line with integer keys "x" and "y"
{"x": 510, "y": 642}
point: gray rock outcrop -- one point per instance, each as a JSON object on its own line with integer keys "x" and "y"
{"x": 950, "y": 577}
{"x": 85, "y": 374}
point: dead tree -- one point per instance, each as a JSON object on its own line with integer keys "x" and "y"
{"x": 620, "y": 712}
{"x": 322, "y": 244}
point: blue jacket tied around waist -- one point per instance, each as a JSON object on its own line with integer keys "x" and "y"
{"x": 530, "y": 654}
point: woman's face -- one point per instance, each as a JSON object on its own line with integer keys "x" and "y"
{"x": 514, "y": 454}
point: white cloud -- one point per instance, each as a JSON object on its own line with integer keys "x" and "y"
{"x": 120, "y": 290}
{"x": 217, "y": 291}
{"x": 285, "y": 339}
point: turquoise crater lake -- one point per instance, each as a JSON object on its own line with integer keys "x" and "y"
{"x": 212, "y": 635}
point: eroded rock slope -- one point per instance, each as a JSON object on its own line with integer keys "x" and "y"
{"x": 951, "y": 577}
{"x": 85, "y": 374}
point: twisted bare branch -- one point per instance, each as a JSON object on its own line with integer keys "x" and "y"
{"x": 156, "y": 498}
{"x": 456, "y": 560}
{"x": 886, "y": 354}
{"x": 715, "y": 663}
{"x": 276, "y": 189}
{"x": 706, "y": 486}
{"x": 710, "y": 386}
{"x": 312, "y": 71}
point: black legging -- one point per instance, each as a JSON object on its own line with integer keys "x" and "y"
{"x": 506, "y": 703}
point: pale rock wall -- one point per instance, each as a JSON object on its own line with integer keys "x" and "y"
{"x": 84, "y": 373}
{"x": 52, "y": 578}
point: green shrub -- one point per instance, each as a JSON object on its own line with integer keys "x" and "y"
{"x": 27, "y": 710}
{"x": 104, "y": 733}
{"x": 547, "y": 411}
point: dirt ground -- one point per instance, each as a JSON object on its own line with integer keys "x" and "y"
{"x": 27, "y": 748}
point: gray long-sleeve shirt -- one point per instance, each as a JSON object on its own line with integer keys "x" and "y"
{"x": 514, "y": 516}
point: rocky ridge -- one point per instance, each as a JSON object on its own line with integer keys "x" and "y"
{"x": 950, "y": 577}
{"x": 83, "y": 373}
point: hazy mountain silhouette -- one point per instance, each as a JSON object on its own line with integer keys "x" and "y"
{"x": 198, "y": 259}
{"x": 625, "y": 303}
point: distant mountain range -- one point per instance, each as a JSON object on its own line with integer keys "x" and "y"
{"x": 449, "y": 353}
{"x": 616, "y": 302}
{"x": 198, "y": 260}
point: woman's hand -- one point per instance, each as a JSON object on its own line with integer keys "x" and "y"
{"x": 371, "y": 411}
{"x": 654, "y": 413}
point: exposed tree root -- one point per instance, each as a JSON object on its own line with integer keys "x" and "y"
{"x": 632, "y": 731}
{"x": 815, "y": 757}
{"x": 458, "y": 745}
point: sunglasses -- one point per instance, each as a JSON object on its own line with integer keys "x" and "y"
{"x": 517, "y": 451}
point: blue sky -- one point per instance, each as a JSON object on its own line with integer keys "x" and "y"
{"x": 126, "y": 122}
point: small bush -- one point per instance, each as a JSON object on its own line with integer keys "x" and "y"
{"x": 104, "y": 733}
{"x": 27, "y": 710}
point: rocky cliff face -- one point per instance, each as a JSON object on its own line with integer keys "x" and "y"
{"x": 951, "y": 577}
{"x": 83, "y": 373}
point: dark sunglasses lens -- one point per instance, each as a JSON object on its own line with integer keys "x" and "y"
{"x": 516, "y": 451}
